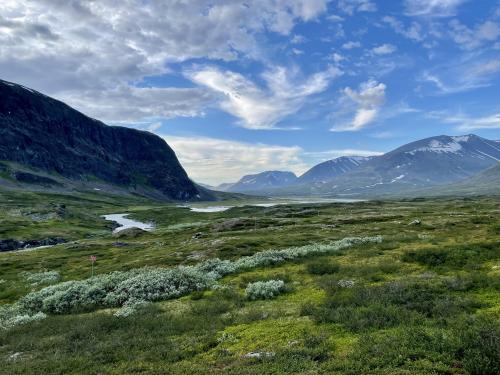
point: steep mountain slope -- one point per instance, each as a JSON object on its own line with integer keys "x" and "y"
{"x": 330, "y": 169}
{"x": 43, "y": 133}
{"x": 261, "y": 181}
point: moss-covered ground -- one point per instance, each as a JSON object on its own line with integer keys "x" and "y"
{"x": 424, "y": 301}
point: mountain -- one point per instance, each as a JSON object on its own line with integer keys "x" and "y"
{"x": 261, "y": 181}
{"x": 418, "y": 165}
{"x": 61, "y": 144}
{"x": 330, "y": 169}
{"x": 432, "y": 161}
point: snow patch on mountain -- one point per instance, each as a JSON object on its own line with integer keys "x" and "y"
{"x": 439, "y": 147}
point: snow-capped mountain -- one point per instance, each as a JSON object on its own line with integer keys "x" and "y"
{"x": 428, "y": 162}
{"x": 330, "y": 169}
{"x": 261, "y": 181}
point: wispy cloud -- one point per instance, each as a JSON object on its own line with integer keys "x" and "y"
{"x": 468, "y": 123}
{"x": 260, "y": 107}
{"x": 384, "y": 49}
{"x": 368, "y": 99}
{"x": 351, "y": 45}
{"x": 432, "y": 8}
{"x": 470, "y": 38}
{"x": 413, "y": 31}
{"x": 352, "y": 6}
{"x": 469, "y": 73}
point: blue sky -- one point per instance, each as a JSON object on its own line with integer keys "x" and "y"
{"x": 239, "y": 87}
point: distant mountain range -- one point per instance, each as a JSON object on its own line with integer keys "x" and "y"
{"x": 47, "y": 143}
{"x": 430, "y": 162}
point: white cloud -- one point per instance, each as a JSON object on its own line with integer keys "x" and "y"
{"x": 337, "y": 57}
{"x": 214, "y": 161}
{"x": 468, "y": 38}
{"x": 352, "y": 6}
{"x": 368, "y": 99}
{"x": 432, "y": 8}
{"x": 298, "y": 39}
{"x": 384, "y": 49}
{"x": 468, "y": 123}
{"x": 413, "y": 32}
{"x": 65, "y": 47}
{"x": 262, "y": 107}
{"x": 351, "y": 45}
{"x": 469, "y": 73}
{"x": 131, "y": 104}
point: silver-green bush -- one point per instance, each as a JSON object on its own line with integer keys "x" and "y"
{"x": 116, "y": 289}
{"x": 264, "y": 289}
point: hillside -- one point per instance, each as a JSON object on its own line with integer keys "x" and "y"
{"x": 46, "y": 135}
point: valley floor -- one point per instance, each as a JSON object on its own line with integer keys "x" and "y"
{"x": 424, "y": 300}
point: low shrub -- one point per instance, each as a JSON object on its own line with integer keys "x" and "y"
{"x": 264, "y": 289}
{"x": 468, "y": 256}
{"x": 322, "y": 267}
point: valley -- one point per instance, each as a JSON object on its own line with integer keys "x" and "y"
{"x": 418, "y": 294}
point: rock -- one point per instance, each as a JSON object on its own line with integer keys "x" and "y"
{"x": 14, "y": 356}
{"x": 259, "y": 355}
{"x": 346, "y": 283}
{"x": 120, "y": 244}
{"x": 130, "y": 233}
{"x": 11, "y": 244}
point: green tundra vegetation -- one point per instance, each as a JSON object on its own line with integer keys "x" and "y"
{"x": 377, "y": 287}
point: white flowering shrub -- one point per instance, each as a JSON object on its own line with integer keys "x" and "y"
{"x": 265, "y": 289}
{"x": 117, "y": 289}
{"x": 130, "y": 307}
{"x": 46, "y": 277}
{"x": 13, "y": 315}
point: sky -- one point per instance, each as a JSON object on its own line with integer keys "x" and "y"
{"x": 238, "y": 87}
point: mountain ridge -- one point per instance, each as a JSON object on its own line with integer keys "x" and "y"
{"x": 46, "y": 134}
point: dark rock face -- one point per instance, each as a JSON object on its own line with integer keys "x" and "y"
{"x": 11, "y": 245}
{"x": 43, "y": 133}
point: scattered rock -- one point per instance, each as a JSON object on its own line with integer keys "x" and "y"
{"x": 120, "y": 244}
{"x": 129, "y": 233}
{"x": 346, "y": 283}
{"x": 14, "y": 356}
{"x": 259, "y": 355}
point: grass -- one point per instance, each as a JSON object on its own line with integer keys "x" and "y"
{"x": 424, "y": 301}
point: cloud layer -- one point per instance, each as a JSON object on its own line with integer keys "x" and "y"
{"x": 100, "y": 47}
